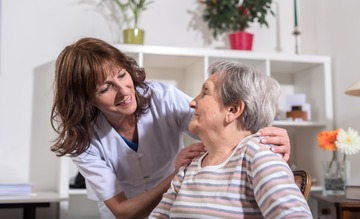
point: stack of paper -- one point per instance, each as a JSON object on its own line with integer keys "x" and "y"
{"x": 7, "y": 189}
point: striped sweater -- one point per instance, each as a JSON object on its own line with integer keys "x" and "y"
{"x": 252, "y": 183}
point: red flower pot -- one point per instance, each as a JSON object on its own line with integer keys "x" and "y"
{"x": 241, "y": 40}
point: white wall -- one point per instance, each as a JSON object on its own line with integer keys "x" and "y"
{"x": 338, "y": 34}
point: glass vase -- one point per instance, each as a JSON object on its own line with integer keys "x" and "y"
{"x": 334, "y": 177}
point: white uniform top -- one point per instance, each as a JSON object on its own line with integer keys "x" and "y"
{"x": 110, "y": 166}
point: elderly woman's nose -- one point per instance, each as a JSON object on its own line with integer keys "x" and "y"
{"x": 192, "y": 103}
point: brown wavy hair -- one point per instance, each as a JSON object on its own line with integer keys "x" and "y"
{"x": 78, "y": 69}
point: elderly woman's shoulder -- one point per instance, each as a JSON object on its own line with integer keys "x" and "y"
{"x": 252, "y": 145}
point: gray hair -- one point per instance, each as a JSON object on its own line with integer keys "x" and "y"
{"x": 259, "y": 92}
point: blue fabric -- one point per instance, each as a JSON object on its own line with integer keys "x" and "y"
{"x": 131, "y": 145}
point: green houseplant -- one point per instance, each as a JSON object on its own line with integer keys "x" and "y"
{"x": 234, "y": 17}
{"x": 131, "y": 11}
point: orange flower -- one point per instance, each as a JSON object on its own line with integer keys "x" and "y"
{"x": 326, "y": 139}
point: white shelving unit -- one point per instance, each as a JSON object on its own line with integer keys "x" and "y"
{"x": 187, "y": 69}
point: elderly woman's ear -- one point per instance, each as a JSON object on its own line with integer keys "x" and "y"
{"x": 234, "y": 111}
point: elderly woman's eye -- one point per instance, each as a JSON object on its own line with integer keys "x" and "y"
{"x": 204, "y": 91}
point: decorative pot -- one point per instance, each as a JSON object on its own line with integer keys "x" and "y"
{"x": 241, "y": 40}
{"x": 134, "y": 36}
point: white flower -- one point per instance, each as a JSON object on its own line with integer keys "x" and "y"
{"x": 348, "y": 142}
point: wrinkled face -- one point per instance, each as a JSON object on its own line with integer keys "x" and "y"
{"x": 209, "y": 111}
{"x": 116, "y": 95}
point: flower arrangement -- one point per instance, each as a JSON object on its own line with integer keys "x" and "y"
{"x": 233, "y": 15}
{"x": 345, "y": 142}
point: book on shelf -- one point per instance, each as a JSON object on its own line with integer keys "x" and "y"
{"x": 8, "y": 189}
{"x": 352, "y": 192}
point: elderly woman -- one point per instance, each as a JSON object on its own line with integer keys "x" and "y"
{"x": 237, "y": 177}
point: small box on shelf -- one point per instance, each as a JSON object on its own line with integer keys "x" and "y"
{"x": 297, "y": 113}
{"x": 352, "y": 192}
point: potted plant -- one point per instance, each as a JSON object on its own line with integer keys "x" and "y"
{"x": 131, "y": 11}
{"x": 234, "y": 17}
